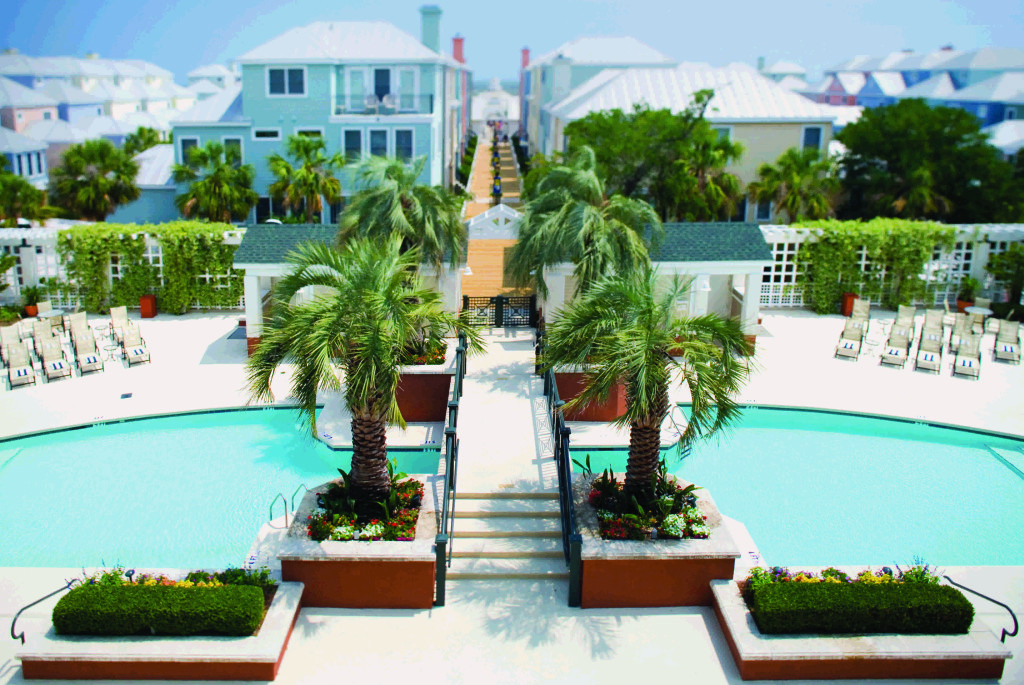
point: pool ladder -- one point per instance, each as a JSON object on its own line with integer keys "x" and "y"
{"x": 285, "y": 503}
{"x": 1006, "y": 633}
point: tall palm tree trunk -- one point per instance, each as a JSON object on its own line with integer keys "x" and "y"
{"x": 645, "y": 449}
{"x": 370, "y": 456}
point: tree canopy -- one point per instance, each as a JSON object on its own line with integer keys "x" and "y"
{"x": 20, "y": 199}
{"x": 143, "y": 139}
{"x": 915, "y": 161}
{"x": 801, "y": 184}
{"x": 94, "y": 179}
{"x": 302, "y": 187}
{"x": 220, "y": 186}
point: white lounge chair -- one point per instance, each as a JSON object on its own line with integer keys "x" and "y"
{"x": 42, "y": 332}
{"x": 54, "y": 363}
{"x": 1007, "y": 346}
{"x": 929, "y": 353}
{"x": 850, "y": 341}
{"x": 10, "y": 337}
{"x": 897, "y": 350}
{"x": 86, "y": 354}
{"x": 968, "y": 358}
{"x": 118, "y": 322}
{"x": 19, "y": 367}
{"x": 135, "y": 350}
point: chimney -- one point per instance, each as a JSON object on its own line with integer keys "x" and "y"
{"x": 92, "y": 55}
{"x": 458, "y": 48}
{"x": 560, "y": 76}
{"x": 946, "y": 48}
{"x": 760, "y": 63}
{"x": 524, "y": 60}
{"x": 430, "y": 27}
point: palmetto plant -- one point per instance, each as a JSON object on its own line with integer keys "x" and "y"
{"x": 623, "y": 330}
{"x": 143, "y": 139}
{"x": 310, "y": 181}
{"x": 20, "y": 199}
{"x": 801, "y": 183}
{"x": 571, "y": 220}
{"x": 390, "y": 202}
{"x": 94, "y": 178}
{"x": 220, "y": 186}
{"x": 373, "y": 306}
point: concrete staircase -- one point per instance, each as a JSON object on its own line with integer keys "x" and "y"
{"x": 507, "y": 535}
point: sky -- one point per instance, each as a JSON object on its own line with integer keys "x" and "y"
{"x": 183, "y": 34}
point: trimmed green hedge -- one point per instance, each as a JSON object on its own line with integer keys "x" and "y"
{"x": 844, "y": 608}
{"x": 160, "y": 610}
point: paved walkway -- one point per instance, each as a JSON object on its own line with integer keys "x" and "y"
{"x": 480, "y": 181}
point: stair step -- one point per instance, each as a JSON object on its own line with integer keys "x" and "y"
{"x": 490, "y": 569}
{"x": 508, "y": 548}
{"x": 501, "y": 507}
{"x": 508, "y": 528}
{"x": 509, "y": 494}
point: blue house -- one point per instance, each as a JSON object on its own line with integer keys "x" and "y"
{"x": 993, "y": 100}
{"x": 26, "y": 157}
{"x": 970, "y": 68}
{"x": 881, "y": 88}
{"x": 156, "y": 189}
{"x": 366, "y": 88}
{"x": 73, "y": 105}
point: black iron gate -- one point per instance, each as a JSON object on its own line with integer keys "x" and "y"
{"x": 501, "y": 310}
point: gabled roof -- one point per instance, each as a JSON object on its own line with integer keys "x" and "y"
{"x": 819, "y": 88}
{"x": 15, "y": 142}
{"x": 211, "y": 71}
{"x": 888, "y": 82}
{"x": 96, "y": 127}
{"x": 161, "y": 121}
{"x": 155, "y": 166}
{"x": 1008, "y": 135}
{"x": 13, "y": 94}
{"x": 150, "y": 69}
{"x": 988, "y": 59}
{"x": 111, "y": 93}
{"x": 783, "y": 67}
{"x": 855, "y": 63}
{"x": 271, "y": 243}
{"x": 843, "y": 114}
{"x": 740, "y": 94}
{"x": 927, "y": 61}
{"x": 54, "y": 131}
{"x": 225, "y": 106}
{"x": 794, "y": 83}
{"x": 850, "y": 81}
{"x": 177, "y": 91}
{"x": 712, "y": 242}
{"x": 332, "y": 41}
{"x": 1008, "y": 88}
{"x": 203, "y": 87}
{"x": 611, "y": 50}
{"x": 936, "y": 87}
{"x": 65, "y": 93}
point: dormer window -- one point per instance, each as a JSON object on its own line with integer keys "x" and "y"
{"x": 282, "y": 81}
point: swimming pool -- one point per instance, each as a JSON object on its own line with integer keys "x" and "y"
{"x": 819, "y": 488}
{"x": 177, "y": 492}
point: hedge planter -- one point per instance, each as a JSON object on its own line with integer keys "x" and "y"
{"x": 978, "y": 654}
{"x": 651, "y": 573}
{"x": 256, "y": 657}
{"x": 424, "y": 388}
{"x": 363, "y": 574}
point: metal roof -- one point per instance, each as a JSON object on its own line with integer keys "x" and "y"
{"x": 855, "y": 63}
{"x": 65, "y": 93}
{"x": 332, "y": 41}
{"x": 25, "y": 65}
{"x": 843, "y": 114}
{"x": 111, "y": 93}
{"x": 850, "y": 81}
{"x": 996, "y": 59}
{"x": 712, "y": 242}
{"x": 1007, "y": 88}
{"x": 161, "y": 121}
{"x": 938, "y": 86}
{"x": 225, "y": 106}
{"x": 203, "y": 86}
{"x": 97, "y": 127}
{"x": 13, "y": 94}
{"x": 611, "y": 50}
{"x": 783, "y": 67}
{"x": 15, "y": 142}
{"x": 55, "y": 131}
{"x": 155, "y": 166}
{"x": 740, "y": 94}
{"x": 794, "y": 83}
{"x": 211, "y": 71}
{"x": 271, "y": 243}
{"x": 928, "y": 60}
{"x": 1007, "y": 135}
{"x": 889, "y": 82}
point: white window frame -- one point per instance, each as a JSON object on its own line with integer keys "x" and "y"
{"x": 363, "y": 139}
{"x": 276, "y": 129}
{"x": 771, "y": 211}
{"x": 181, "y": 146}
{"x": 355, "y": 106}
{"x": 728, "y": 131}
{"x": 415, "y": 87}
{"x": 387, "y": 141}
{"x": 309, "y": 129}
{"x": 286, "y": 94}
{"x": 241, "y": 145}
{"x": 821, "y": 135}
{"x": 1010, "y": 114}
{"x": 982, "y": 110}
{"x": 412, "y": 146}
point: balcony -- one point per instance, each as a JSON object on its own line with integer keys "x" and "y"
{"x": 392, "y": 103}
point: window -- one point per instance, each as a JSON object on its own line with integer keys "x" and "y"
{"x": 19, "y": 116}
{"x": 309, "y": 132}
{"x": 379, "y": 143}
{"x": 286, "y": 81}
{"x": 381, "y": 82}
{"x": 741, "y": 211}
{"x": 353, "y": 145}
{"x": 186, "y": 145}
{"x": 336, "y": 209}
{"x": 21, "y": 172}
{"x": 356, "y": 90}
{"x": 403, "y": 144}
{"x": 724, "y": 132}
{"x": 764, "y": 211}
{"x": 407, "y": 89}
{"x": 266, "y": 134}
{"x": 30, "y": 171}
{"x": 982, "y": 111}
{"x": 812, "y": 137}
{"x": 1011, "y": 113}
{"x": 99, "y": 111}
{"x": 47, "y": 116}
{"x": 262, "y": 210}
{"x": 39, "y": 162}
{"x": 233, "y": 143}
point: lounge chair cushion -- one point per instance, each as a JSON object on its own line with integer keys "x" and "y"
{"x": 928, "y": 356}
{"x": 56, "y": 366}
{"x": 847, "y": 345}
{"x": 895, "y": 352}
{"x": 18, "y": 373}
{"x": 90, "y": 359}
{"x": 966, "y": 363}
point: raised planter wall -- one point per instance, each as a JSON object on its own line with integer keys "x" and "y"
{"x": 423, "y": 397}
{"x": 570, "y": 384}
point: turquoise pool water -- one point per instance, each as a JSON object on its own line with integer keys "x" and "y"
{"x": 180, "y": 491}
{"x": 816, "y": 488}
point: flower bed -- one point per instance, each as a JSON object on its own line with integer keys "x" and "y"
{"x": 672, "y": 515}
{"x": 428, "y": 357}
{"x": 907, "y": 601}
{"x": 337, "y": 519}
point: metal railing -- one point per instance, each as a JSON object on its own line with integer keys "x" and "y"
{"x": 387, "y": 105}
{"x": 443, "y": 543}
{"x": 572, "y": 541}
{"x": 21, "y": 635}
{"x": 1006, "y": 633}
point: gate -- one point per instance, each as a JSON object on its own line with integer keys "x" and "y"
{"x": 501, "y": 310}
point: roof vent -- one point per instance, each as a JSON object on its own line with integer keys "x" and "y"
{"x": 946, "y": 48}
{"x": 10, "y": 51}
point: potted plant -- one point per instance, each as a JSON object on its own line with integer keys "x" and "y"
{"x": 968, "y": 290}
{"x": 30, "y": 297}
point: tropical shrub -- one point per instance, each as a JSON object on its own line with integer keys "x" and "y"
{"x": 94, "y": 179}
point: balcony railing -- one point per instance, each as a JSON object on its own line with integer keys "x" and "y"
{"x": 390, "y": 104}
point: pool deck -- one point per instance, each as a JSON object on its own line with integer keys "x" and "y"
{"x": 518, "y": 631}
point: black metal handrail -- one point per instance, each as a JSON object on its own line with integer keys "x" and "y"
{"x": 21, "y": 635}
{"x": 1006, "y": 633}
{"x": 572, "y": 541}
{"x": 446, "y": 525}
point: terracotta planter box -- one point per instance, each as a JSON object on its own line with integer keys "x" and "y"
{"x": 85, "y": 657}
{"x": 423, "y": 396}
{"x": 363, "y": 575}
{"x": 978, "y": 654}
{"x": 570, "y": 385}
{"x": 651, "y": 573}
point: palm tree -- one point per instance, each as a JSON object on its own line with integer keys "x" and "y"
{"x": 305, "y": 186}
{"x": 391, "y": 202}
{"x": 623, "y": 329}
{"x": 570, "y": 220}
{"x": 143, "y": 139}
{"x": 377, "y": 307}
{"x": 698, "y": 188}
{"x": 801, "y": 183}
{"x": 20, "y": 199}
{"x": 220, "y": 186}
{"x": 94, "y": 179}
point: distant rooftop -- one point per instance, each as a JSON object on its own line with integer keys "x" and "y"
{"x": 1007, "y": 87}
{"x": 331, "y": 41}
{"x": 225, "y": 106}
{"x": 783, "y": 68}
{"x": 988, "y": 59}
{"x": 1008, "y": 135}
{"x": 14, "y": 143}
{"x": 889, "y": 82}
{"x": 203, "y": 87}
{"x": 794, "y": 83}
{"x": 13, "y": 94}
{"x": 850, "y": 81}
{"x": 65, "y": 93}
{"x": 611, "y": 50}
{"x": 54, "y": 131}
{"x": 211, "y": 71}
{"x": 938, "y": 86}
{"x": 155, "y": 166}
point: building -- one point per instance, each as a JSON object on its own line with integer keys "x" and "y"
{"x": 202, "y": 89}
{"x": 217, "y": 74}
{"x": 26, "y": 157}
{"x": 781, "y": 70}
{"x": 57, "y": 135}
{"x": 1007, "y": 136}
{"x": 20, "y": 106}
{"x": 156, "y": 186}
{"x": 73, "y": 104}
{"x": 747, "y": 107}
{"x": 494, "y": 104}
{"x": 367, "y": 88}
{"x": 551, "y": 77}
{"x": 881, "y": 88}
{"x": 991, "y": 101}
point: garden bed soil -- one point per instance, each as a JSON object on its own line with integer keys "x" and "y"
{"x": 651, "y": 573}
{"x": 978, "y": 654}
